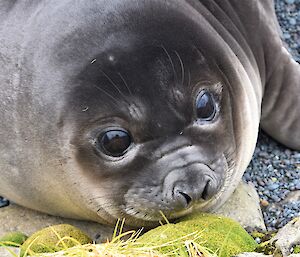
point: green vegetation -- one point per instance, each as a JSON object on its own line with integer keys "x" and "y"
{"x": 296, "y": 249}
{"x": 220, "y": 235}
{"x": 54, "y": 239}
{"x": 13, "y": 239}
{"x": 265, "y": 246}
{"x": 204, "y": 235}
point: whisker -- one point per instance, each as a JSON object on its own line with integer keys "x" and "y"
{"x": 198, "y": 50}
{"x": 125, "y": 83}
{"x": 182, "y": 67}
{"x": 171, "y": 62}
{"x": 113, "y": 83}
{"x": 229, "y": 156}
{"x": 116, "y": 102}
{"x": 189, "y": 78}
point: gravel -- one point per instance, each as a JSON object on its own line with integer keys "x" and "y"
{"x": 274, "y": 169}
{"x": 288, "y": 13}
{"x": 275, "y": 172}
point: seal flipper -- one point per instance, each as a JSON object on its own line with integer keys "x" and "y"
{"x": 281, "y": 101}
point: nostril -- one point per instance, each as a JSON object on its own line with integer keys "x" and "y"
{"x": 186, "y": 197}
{"x": 205, "y": 193}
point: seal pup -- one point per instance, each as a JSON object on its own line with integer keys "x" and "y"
{"x": 129, "y": 108}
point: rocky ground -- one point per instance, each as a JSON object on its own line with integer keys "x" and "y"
{"x": 288, "y": 13}
{"x": 275, "y": 172}
{"x": 274, "y": 169}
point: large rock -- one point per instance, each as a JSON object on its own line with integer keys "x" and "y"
{"x": 16, "y": 218}
{"x": 244, "y": 207}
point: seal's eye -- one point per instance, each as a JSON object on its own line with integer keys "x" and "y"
{"x": 115, "y": 142}
{"x": 206, "y": 106}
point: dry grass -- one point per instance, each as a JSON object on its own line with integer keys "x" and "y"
{"x": 129, "y": 247}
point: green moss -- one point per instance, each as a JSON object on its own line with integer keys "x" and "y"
{"x": 53, "y": 239}
{"x": 266, "y": 236}
{"x": 296, "y": 249}
{"x": 221, "y": 235}
{"x": 13, "y": 239}
{"x": 266, "y": 248}
{"x": 256, "y": 234}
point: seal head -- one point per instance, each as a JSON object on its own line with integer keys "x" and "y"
{"x": 150, "y": 121}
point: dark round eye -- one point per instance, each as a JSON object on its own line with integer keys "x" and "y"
{"x": 206, "y": 106}
{"x": 115, "y": 142}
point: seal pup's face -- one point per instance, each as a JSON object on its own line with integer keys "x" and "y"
{"x": 154, "y": 132}
{"x": 151, "y": 124}
{"x": 148, "y": 110}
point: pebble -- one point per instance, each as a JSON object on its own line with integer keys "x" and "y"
{"x": 292, "y": 21}
{"x": 273, "y": 186}
{"x": 258, "y": 240}
{"x": 264, "y": 203}
{"x": 290, "y": 1}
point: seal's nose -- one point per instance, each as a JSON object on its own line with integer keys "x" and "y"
{"x": 186, "y": 196}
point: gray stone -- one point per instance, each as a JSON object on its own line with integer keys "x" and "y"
{"x": 16, "y": 218}
{"x": 253, "y": 255}
{"x": 244, "y": 207}
{"x": 287, "y": 237}
{"x": 292, "y": 197}
{"x": 9, "y": 251}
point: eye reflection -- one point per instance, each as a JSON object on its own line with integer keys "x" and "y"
{"x": 205, "y": 106}
{"x": 115, "y": 142}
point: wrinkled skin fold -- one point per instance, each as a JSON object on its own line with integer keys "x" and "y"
{"x": 184, "y": 85}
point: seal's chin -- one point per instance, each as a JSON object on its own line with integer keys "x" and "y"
{"x": 150, "y": 216}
